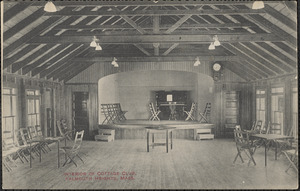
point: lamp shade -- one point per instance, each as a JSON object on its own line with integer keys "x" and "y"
{"x": 197, "y": 63}
{"x": 258, "y": 5}
{"x": 98, "y": 47}
{"x": 93, "y": 44}
{"x": 211, "y": 46}
{"x": 50, "y": 7}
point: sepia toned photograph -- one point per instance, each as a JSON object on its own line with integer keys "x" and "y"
{"x": 149, "y": 94}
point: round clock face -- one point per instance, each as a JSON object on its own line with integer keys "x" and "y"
{"x": 216, "y": 67}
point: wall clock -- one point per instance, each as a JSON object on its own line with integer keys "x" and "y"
{"x": 217, "y": 67}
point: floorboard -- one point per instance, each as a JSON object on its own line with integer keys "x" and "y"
{"x": 205, "y": 164}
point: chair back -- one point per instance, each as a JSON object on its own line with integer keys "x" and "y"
{"x": 241, "y": 137}
{"x": 207, "y": 109}
{"x": 152, "y": 109}
{"x": 24, "y": 135}
{"x": 58, "y": 124}
{"x": 8, "y": 141}
{"x": 266, "y": 129}
{"x": 78, "y": 141}
{"x": 38, "y": 130}
{"x": 238, "y": 129}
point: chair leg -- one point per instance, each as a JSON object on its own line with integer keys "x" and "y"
{"x": 238, "y": 154}
{"x": 80, "y": 158}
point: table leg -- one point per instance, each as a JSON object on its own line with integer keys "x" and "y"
{"x": 65, "y": 146}
{"x": 167, "y": 140}
{"x": 152, "y": 140}
{"x": 265, "y": 153}
{"x": 171, "y": 134}
{"x": 40, "y": 153}
{"x": 147, "y": 141}
{"x": 58, "y": 161}
{"x": 30, "y": 153}
{"x": 275, "y": 150}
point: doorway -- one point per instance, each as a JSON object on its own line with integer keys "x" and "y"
{"x": 80, "y": 112}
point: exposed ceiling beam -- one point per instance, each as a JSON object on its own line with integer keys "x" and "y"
{"x": 142, "y": 49}
{"x": 269, "y": 56}
{"x": 261, "y": 69}
{"x": 165, "y": 26}
{"x": 180, "y": 22}
{"x": 157, "y": 39}
{"x": 292, "y": 5}
{"x": 170, "y": 49}
{"x": 255, "y": 56}
{"x": 142, "y": 3}
{"x": 25, "y": 38}
{"x": 133, "y": 24}
{"x": 264, "y": 23}
{"x": 22, "y": 24}
{"x": 13, "y": 59}
{"x": 290, "y": 22}
{"x": 157, "y": 59}
{"x": 156, "y": 12}
{"x": 14, "y": 11}
{"x": 63, "y": 63}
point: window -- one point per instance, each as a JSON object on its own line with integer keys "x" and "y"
{"x": 9, "y": 112}
{"x": 277, "y": 110}
{"x": 295, "y": 111}
{"x": 261, "y": 105}
{"x": 33, "y": 107}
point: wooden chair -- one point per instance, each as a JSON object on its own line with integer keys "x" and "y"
{"x": 104, "y": 110}
{"x": 285, "y": 144}
{"x": 292, "y": 156}
{"x": 25, "y": 138}
{"x": 64, "y": 132}
{"x": 33, "y": 134}
{"x": 11, "y": 149}
{"x": 243, "y": 144}
{"x": 154, "y": 112}
{"x": 190, "y": 114}
{"x": 121, "y": 113}
{"x": 206, "y": 113}
{"x": 72, "y": 152}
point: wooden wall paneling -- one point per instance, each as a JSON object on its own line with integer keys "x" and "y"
{"x": 287, "y": 106}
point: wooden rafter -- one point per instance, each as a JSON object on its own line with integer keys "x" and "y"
{"x": 156, "y": 59}
{"x": 227, "y": 38}
{"x": 170, "y": 49}
{"x": 17, "y": 8}
{"x": 156, "y": 12}
{"x": 142, "y": 49}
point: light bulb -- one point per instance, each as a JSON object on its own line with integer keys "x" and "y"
{"x": 98, "y": 47}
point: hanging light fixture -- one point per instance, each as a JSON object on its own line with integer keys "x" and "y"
{"x": 94, "y": 43}
{"x": 98, "y": 47}
{"x": 258, "y": 5}
{"x": 197, "y": 63}
{"x": 114, "y": 62}
{"x": 216, "y": 41}
{"x": 50, "y": 7}
{"x": 211, "y": 46}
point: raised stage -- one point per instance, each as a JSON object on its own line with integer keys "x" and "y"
{"x": 135, "y": 129}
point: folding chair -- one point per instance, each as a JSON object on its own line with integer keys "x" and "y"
{"x": 204, "y": 116}
{"x": 191, "y": 112}
{"x": 285, "y": 144}
{"x": 121, "y": 112}
{"x": 33, "y": 134}
{"x": 243, "y": 144}
{"x": 104, "y": 108}
{"x": 154, "y": 113}
{"x": 292, "y": 156}
{"x": 64, "y": 132}
{"x": 25, "y": 138}
{"x": 72, "y": 152}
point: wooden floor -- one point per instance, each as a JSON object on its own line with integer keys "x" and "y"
{"x": 190, "y": 165}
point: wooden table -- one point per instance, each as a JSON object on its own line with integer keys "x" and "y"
{"x": 270, "y": 137}
{"x": 159, "y": 129}
{"x": 42, "y": 140}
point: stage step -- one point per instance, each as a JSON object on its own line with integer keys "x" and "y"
{"x": 204, "y": 134}
{"x": 105, "y": 135}
{"x": 107, "y": 138}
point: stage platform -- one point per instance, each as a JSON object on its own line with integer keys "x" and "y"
{"x": 135, "y": 129}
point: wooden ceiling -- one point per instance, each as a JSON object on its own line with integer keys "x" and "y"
{"x": 47, "y": 45}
